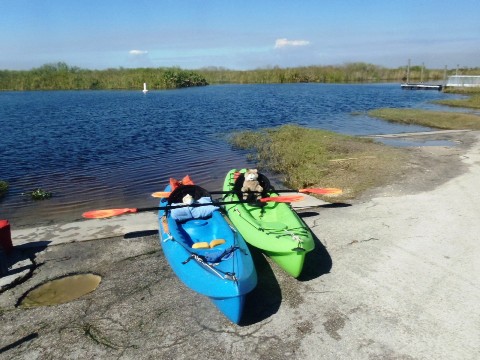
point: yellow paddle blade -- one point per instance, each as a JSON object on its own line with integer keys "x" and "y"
{"x": 322, "y": 191}
{"x": 161, "y": 194}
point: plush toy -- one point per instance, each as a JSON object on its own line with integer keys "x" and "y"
{"x": 251, "y": 183}
{"x": 187, "y": 199}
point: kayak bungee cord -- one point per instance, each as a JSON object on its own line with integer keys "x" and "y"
{"x": 235, "y": 232}
{"x": 296, "y": 238}
{"x": 199, "y": 259}
{"x": 236, "y": 245}
{"x": 267, "y": 230}
{"x": 202, "y": 261}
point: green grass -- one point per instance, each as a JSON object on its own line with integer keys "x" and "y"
{"x": 463, "y": 90}
{"x": 434, "y": 119}
{"x": 473, "y": 101}
{"x": 318, "y": 158}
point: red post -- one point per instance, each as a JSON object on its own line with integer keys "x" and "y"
{"x": 5, "y": 237}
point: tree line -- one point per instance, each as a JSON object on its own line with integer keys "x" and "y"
{"x": 347, "y": 73}
{"x": 60, "y": 76}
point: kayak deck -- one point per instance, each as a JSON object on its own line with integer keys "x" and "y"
{"x": 273, "y": 227}
{"x": 209, "y": 257}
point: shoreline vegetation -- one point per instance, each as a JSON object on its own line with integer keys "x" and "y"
{"x": 443, "y": 120}
{"x": 319, "y": 158}
{"x": 304, "y": 157}
{"x": 472, "y": 101}
{"x": 60, "y": 76}
{"x": 316, "y": 158}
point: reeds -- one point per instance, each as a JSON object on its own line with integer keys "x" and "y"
{"x": 317, "y": 158}
{"x": 434, "y": 119}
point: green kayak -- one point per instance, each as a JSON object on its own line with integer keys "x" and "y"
{"x": 272, "y": 227}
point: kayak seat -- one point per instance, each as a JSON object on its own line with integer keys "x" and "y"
{"x": 208, "y": 245}
{"x": 262, "y": 180}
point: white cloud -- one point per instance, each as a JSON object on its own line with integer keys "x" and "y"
{"x": 138, "y": 52}
{"x": 280, "y": 43}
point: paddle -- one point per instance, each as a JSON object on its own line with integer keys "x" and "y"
{"x": 99, "y": 214}
{"x": 318, "y": 191}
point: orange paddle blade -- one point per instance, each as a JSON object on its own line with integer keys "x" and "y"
{"x": 100, "y": 214}
{"x": 321, "y": 191}
{"x": 161, "y": 194}
{"x": 285, "y": 199}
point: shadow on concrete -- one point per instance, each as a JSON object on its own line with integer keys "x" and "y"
{"x": 142, "y": 233}
{"x": 335, "y": 205}
{"x": 28, "y": 250}
{"x": 308, "y": 214}
{"x": 21, "y": 263}
{"x": 317, "y": 262}
{"x": 265, "y": 299}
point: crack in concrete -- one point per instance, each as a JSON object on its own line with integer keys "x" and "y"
{"x": 362, "y": 241}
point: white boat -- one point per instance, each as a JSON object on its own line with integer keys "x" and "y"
{"x": 145, "y": 88}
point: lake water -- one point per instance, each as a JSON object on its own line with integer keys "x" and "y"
{"x": 101, "y": 149}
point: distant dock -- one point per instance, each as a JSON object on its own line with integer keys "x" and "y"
{"x": 421, "y": 86}
{"x": 418, "y": 86}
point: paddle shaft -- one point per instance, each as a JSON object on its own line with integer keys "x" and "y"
{"x": 215, "y": 203}
{"x": 218, "y": 192}
{"x": 100, "y": 214}
{"x": 320, "y": 191}
{"x": 317, "y": 191}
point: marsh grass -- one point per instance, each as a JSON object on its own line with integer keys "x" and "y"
{"x": 434, "y": 119}
{"x": 318, "y": 158}
{"x": 473, "y": 101}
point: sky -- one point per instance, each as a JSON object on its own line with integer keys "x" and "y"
{"x": 238, "y": 34}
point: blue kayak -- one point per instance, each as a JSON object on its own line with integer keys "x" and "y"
{"x": 204, "y": 251}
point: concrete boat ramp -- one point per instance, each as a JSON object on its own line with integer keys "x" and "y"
{"x": 393, "y": 276}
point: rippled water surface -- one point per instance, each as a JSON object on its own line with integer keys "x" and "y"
{"x": 96, "y": 149}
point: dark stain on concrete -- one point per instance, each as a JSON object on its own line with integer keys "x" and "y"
{"x": 334, "y": 323}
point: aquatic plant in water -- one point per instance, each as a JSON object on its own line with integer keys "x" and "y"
{"x": 39, "y": 194}
{"x": 3, "y": 188}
